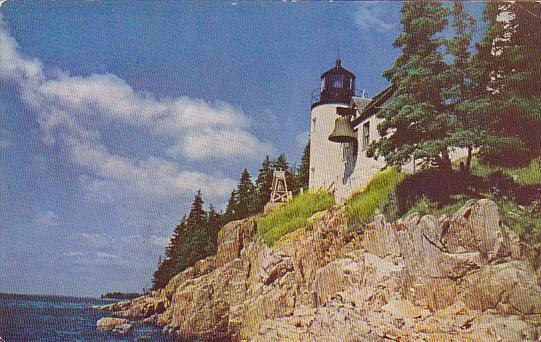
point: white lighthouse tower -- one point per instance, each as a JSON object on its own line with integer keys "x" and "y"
{"x": 328, "y": 160}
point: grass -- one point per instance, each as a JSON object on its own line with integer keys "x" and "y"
{"x": 527, "y": 175}
{"x": 292, "y": 216}
{"x": 378, "y": 196}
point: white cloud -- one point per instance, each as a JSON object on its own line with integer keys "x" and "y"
{"x": 12, "y": 65}
{"x": 226, "y": 143}
{"x": 75, "y": 112}
{"x": 92, "y": 240}
{"x": 48, "y": 218}
{"x": 302, "y": 138}
{"x": 102, "y": 259}
{"x": 373, "y": 16}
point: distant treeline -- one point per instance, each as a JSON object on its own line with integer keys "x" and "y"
{"x": 120, "y": 295}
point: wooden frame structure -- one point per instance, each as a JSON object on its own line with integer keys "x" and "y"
{"x": 279, "y": 187}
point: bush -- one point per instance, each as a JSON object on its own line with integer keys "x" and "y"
{"x": 378, "y": 195}
{"x": 292, "y": 215}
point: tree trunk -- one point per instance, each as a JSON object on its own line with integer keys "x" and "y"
{"x": 445, "y": 160}
{"x": 468, "y": 160}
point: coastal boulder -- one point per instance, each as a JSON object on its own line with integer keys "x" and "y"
{"x": 115, "y": 325}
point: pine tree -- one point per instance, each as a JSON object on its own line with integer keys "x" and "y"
{"x": 417, "y": 123}
{"x": 460, "y": 86}
{"x": 214, "y": 225}
{"x": 194, "y": 238}
{"x": 232, "y": 207}
{"x": 263, "y": 182}
{"x": 170, "y": 266}
{"x": 303, "y": 174}
{"x": 195, "y": 246}
{"x": 247, "y": 200}
{"x": 511, "y": 52}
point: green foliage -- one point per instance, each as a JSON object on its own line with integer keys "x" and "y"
{"x": 530, "y": 174}
{"x": 263, "y": 182}
{"x": 292, "y": 216}
{"x": 303, "y": 173}
{"x": 417, "y": 123}
{"x": 508, "y": 107}
{"x": 194, "y": 238}
{"x": 244, "y": 201}
{"x": 378, "y": 195}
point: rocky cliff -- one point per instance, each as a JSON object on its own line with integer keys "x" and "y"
{"x": 465, "y": 278}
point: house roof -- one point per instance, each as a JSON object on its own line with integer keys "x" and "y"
{"x": 359, "y": 102}
{"x": 373, "y": 106}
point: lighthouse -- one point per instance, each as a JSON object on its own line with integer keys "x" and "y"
{"x": 328, "y": 159}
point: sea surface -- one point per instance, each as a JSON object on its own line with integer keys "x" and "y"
{"x": 54, "y": 318}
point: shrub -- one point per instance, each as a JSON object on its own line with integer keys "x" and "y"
{"x": 378, "y": 195}
{"x": 292, "y": 215}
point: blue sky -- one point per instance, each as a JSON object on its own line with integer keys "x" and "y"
{"x": 112, "y": 115}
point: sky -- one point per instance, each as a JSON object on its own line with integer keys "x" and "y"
{"x": 113, "y": 114}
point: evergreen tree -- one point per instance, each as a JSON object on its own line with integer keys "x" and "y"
{"x": 194, "y": 239}
{"x": 195, "y": 246}
{"x": 417, "y": 123}
{"x": 508, "y": 101}
{"x": 263, "y": 182}
{"x": 303, "y": 174}
{"x": 170, "y": 266}
{"x": 460, "y": 86}
{"x": 231, "y": 208}
{"x": 246, "y": 204}
{"x": 163, "y": 274}
{"x": 214, "y": 225}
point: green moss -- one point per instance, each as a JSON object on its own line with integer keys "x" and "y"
{"x": 379, "y": 195}
{"x": 292, "y": 216}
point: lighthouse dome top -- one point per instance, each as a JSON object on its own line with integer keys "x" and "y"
{"x": 338, "y": 69}
{"x": 337, "y": 86}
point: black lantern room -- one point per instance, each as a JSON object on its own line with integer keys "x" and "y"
{"x": 337, "y": 85}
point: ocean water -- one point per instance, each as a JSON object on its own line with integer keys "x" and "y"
{"x": 52, "y": 318}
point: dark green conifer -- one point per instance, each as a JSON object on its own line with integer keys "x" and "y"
{"x": 263, "y": 182}
{"x": 417, "y": 122}
{"x": 303, "y": 174}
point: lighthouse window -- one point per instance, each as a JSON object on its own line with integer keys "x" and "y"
{"x": 366, "y": 134}
{"x": 337, "y": 81}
